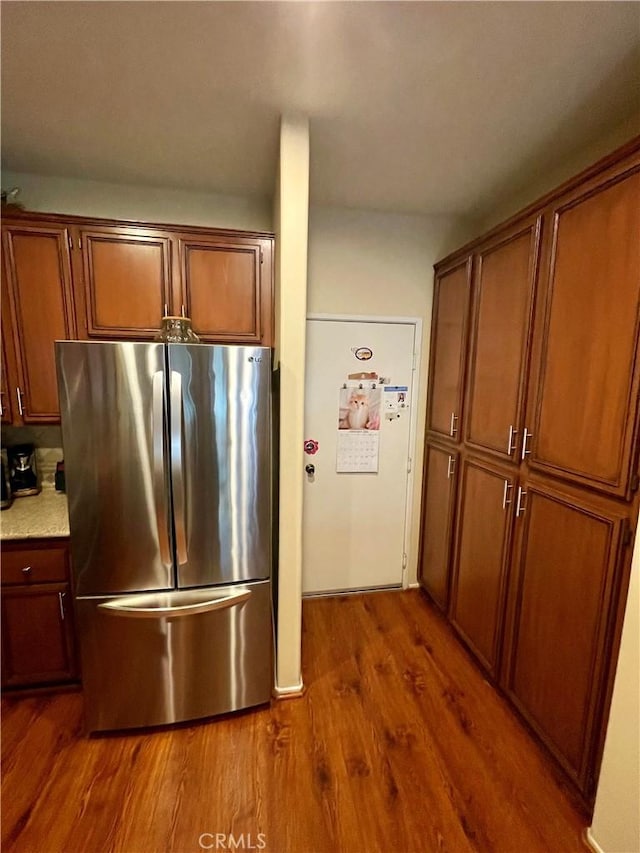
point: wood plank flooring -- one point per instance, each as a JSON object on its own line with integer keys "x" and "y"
{"x": 397, "y": 745}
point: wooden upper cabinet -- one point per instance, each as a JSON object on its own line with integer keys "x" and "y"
{"x": 37, "y": 272}
{"x": 565, "y": 576}
{"x": 483, "y": 533}
{"x": 588, "y": 376}
{"x": 504, "y": 287}
{"x": 6, "y": 391}
{"x": 222, "y": 288}
{"x": 438, "y": 504}
{"x": 127, "y": 282}
{"x": 448, "y": 346}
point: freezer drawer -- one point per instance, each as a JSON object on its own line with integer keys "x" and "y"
{"x": 151, "y": 659}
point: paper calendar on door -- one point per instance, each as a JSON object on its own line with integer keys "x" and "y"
{"x": 358, "y": 424}
{"x": 358, "y": 451}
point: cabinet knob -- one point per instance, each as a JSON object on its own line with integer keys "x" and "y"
{"x": 26, "y": 570}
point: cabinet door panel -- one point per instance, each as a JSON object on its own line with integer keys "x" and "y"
{"x": 587, "y": 392}
{"x": 38, "y": 274}
{"x": 483, "y": 534}
{"x": 127, "y": 282}
{"x": 448, "y": 344}
{"x": 221, "y": 289}
{"x": 504, "y": 288}
{"x": 568, "y": 557}
{"x": 6, "y": 411}
{"x": 37, "y": 642}
{"x": 437, "y": 519}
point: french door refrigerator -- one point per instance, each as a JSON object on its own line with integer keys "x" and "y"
{"x": 168, "y": 471}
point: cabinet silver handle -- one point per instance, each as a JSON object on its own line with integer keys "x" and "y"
{"x": 520, "y": 505}
{"x": 1, "y": 406}
{"x": 26, "y": 570}
{"x": 19, "y": 396}
{"x": 505, "y": 494}
{"x": 166, "y": 310}
{"x": 451, "y": 467}
{"x": 184, "y": 310}
{"x": 510, "y": 443}
{"x": 61, "y": 604}
{"x": 525, "y": 435}
{"x": 453, "y": 429}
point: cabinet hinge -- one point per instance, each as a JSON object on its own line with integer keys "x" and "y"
{"x": 627, "y": 534}
{"x": 261, "y": 256}
{"x": 409, "y": 461}
{"x": 404, "y": 561}
{"x": 635, "y": 482}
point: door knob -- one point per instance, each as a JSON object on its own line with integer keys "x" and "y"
{"x": 310, "y": 469}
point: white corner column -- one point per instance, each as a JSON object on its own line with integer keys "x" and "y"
{"x": 291, "y": 218}
{"x": 616, "y": 818}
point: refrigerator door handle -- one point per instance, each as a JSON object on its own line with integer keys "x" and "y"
{"x": 168, "y": 604}
{"x": 159, "y": 472}
{"x": 177, "y": 465}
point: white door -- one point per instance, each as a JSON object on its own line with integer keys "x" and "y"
{"x": 358, "y": 403}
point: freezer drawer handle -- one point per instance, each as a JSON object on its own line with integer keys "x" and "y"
{"x": 155, "y": 606}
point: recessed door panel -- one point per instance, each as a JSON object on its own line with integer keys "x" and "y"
{"x": 564, "y": 582}
{"x": 485, "y": 513}
{"x": 588, "y": 385}
{"x": 127, "y": 282}
{"x": 437, "y": 518}
{"x": 448, "y": 343}
{"x": 504, "y": 287}
{"x": 221, "y": 289}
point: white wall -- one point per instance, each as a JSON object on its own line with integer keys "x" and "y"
{"x": 291, "y": 222}
{"x": 530, "y": 184}
{"x": 362, "y": 262}
{"x": 616, "y": 818}
{"x": 78, "y": 197}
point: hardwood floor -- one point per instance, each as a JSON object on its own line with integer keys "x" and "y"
{"x": 398, "y": 744}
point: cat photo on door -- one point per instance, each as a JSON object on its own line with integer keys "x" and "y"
{"x": 359, "y": 408}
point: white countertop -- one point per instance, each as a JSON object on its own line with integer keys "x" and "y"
{"x": 40, "y": 516}
{"x": 43, "y": 516}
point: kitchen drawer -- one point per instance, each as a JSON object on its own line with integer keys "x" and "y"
{"x": 32, "y": 564}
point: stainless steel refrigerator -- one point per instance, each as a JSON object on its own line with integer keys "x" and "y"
{"x": 167, "y": 452}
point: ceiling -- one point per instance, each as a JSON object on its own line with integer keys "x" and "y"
{"x": 416, "y": 107}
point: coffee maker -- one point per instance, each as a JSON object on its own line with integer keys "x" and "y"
{"x": 5, "y": 487}
{"x": 23, "y": 473}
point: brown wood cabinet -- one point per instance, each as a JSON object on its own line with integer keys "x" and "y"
{"x": 127, "y": 281}
{"x": 6, "y": 411}
{"x": 587, "y": 392}
{"x": 223, "y": 289}
{"x": 39, "y": 310}
{"x": 67, "y": 277}
{"x": 38, "y": 642}
{"x": 504, "y": 288}
{"x": 547, "y": 488}
{"x": 448, "y": 349}
{"x": 483, "y": 538}
{"x": 438, "y": 502}
{"x": 564, "y": 579}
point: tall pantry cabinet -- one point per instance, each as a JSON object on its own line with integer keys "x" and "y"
{"x": 528, "y": 550}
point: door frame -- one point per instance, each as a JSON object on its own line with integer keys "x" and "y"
{"x": 416, "y": 322}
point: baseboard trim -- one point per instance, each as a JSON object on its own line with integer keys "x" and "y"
{"x": 293, "y": 692}
{"x": 590, "y": 841}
